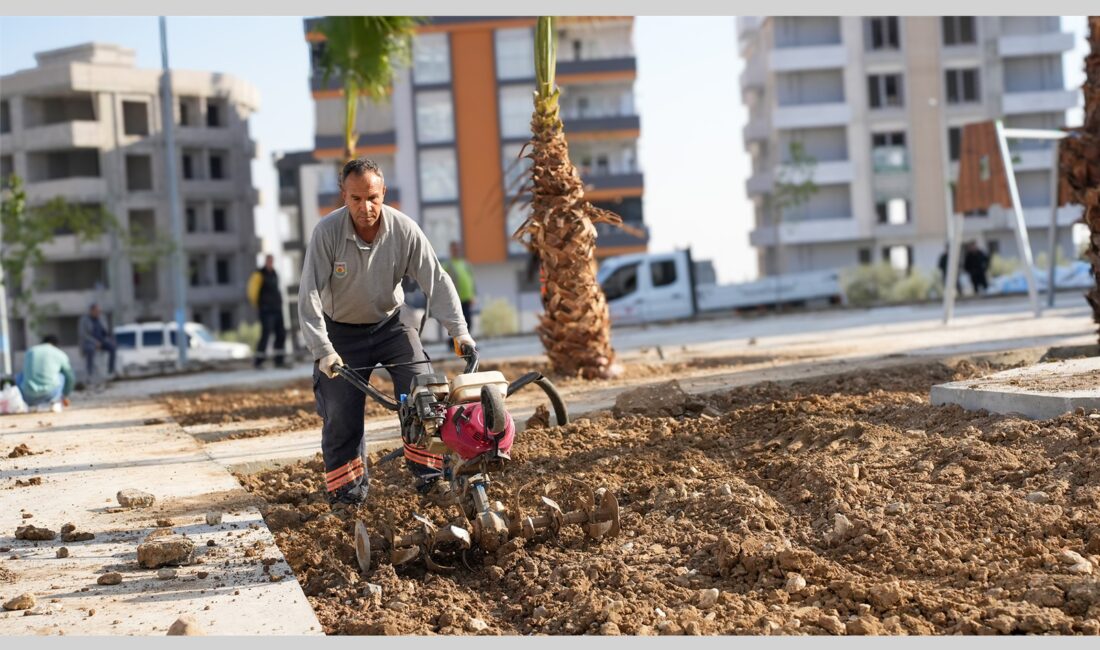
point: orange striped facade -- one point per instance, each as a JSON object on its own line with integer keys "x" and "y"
{"x": 475, "y": 95}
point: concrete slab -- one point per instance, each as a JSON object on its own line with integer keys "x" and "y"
{"x": 1039, "y": 392}
{"x": 82, "y": 458}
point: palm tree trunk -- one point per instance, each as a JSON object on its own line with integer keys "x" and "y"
{"x": 574, "y": 328}
{"x": 351, "y": 103}
{"x": 1080, "y": 163}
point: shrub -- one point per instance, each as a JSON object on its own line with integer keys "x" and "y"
{"x": 248, "y": 333}
{"x": 498, "y": 318}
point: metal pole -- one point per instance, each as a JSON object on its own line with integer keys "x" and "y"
{"x": 1053, "y": 248}
{"x": 179, "y": 294}
{"x": 954, "y": 226}
{"x": 5, "y": 341}
{"x": 1022, "y": 241}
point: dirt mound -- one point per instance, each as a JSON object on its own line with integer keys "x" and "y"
{"x": 20, "y": 451}
{"x": 845, "y": 505}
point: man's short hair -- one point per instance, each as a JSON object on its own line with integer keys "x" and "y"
{"x": 361, "y": 166}
{"x": 51, "y": 339}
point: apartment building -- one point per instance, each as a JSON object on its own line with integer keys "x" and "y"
{"x": 85, "y": 124}
{"x": 450, "y": 136}
{"x": 877, "y": 103}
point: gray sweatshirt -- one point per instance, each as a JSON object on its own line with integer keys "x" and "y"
{"x": 353, "y": 282}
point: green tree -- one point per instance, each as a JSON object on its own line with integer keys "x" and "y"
{"x": 27, "y": 228}
{"x": 365, "y": 51}
{"x": 574, "y": 327}
{"x": 794, "y": 185}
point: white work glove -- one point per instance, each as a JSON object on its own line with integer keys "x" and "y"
{"x": 462, "y": 340}
{"x": 327, "y": 362}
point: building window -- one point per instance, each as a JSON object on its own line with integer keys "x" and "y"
{"x": 189, "y": 111}
{"x": 218, "y": 168}
{"x": 518, "y": 211}
{"x": 515, "y": 168}
{"x": 222, "y": 271}
{"x": 884, "y": 91}
{"x": 220, "y": 218}
{"x": 438, "y": 175}
{"x": 900, "y": 257}
{"x": 191, "y": 218}
{"x": 864, "y": 255}
{"x": 516, "y": 107}
{"x": 431, "y": 59}
{"x": 442, "y": 225}
{"x": 7, "y": 168}
{"x": 962, "y": 86}
{"x": 5, "y": 117}
{"x": 959, "y": 30}
{"x": 139, "y": 172}
{"x": 215, "y": 116}
{"x": 892, "y": 212}
{"x": 515, "y": 53}
{"x": 954, "y": 142}
{"x": 881, "y": 33}
{"x": 135, "y": 118}
{"x": 226, "y": 322}
{"x": 434, "y": 117}
{"x": 888, "y": 152}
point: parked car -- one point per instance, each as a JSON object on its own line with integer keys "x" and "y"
{"x": 145, "y": 348}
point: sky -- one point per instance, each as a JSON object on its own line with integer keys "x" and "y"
{"x": 687, "y": 96}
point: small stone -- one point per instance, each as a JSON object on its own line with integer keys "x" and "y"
{"x": 134, "y": 499}
{"x": 841, "y": 525}
{"x": 832, "y": 625}
{"x": 886, "y": 596}
{"x": 62, "y": 552}
{"x": 185, "y": 626}
{"x": 165, "y": 523}
{"x": 795, "y": 583}
{"x": 540, "y": 612}
{"x": 213, "y": 518}
{"x": 168, "y": 550}
{"x": 67, "y": 528}
{"x": 609, "y": 629}
{"x": 166, "y": 573}
{"x": 1038, "y": 497}
{"x": 1070, "y": 557}
{"x": 27, "y": 515}
{"x": 374, "y": 592}
{"x": 895, "y": 508}
{"x": 397, "y": 606}
{"x": 211, "y": 542}
{"x": 725, "y": 490}
{"x": 708, "y": 598}
{"x": 629, "y": 546}
{"x": 476, "y": 625}
{"x": 112, "y": 578}
{"x": 91, "y": 612}
{"x": 202, "y": 575}
{"x": 864, "y": 626}
{"x": 23, "y": 601}
{"x": 34, "y": 534}
{"x": 495, "y": 573}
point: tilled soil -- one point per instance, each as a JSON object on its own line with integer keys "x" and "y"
{"x": 292, "y": 407}
{"x": 845, "y": 505}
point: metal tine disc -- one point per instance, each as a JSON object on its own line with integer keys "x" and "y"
{"x": 362, "y": 546}
{"x": 399, "y": 556}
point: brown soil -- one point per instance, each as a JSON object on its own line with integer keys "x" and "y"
{"x": 292, "y": 407}
{"x": 900, "y": 517}
{"x": 1052, "y": 382}
{"x": 21, "y": 450}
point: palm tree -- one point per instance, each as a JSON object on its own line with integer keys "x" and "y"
{"x": 574, "y": 328}
{"x": 1080, "y": 162}
{"x": 365, "y": 51}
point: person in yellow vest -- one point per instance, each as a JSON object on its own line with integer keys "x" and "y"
{"x": 463, "y": 279}
{"x": 263, "y": 293}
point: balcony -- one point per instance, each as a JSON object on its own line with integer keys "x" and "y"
{"x": 225, "y": 293}
{"x": 827, "y": 172}
{"x": 219, "y": 137}
{"x": 63, "y": 135}
{"x": 589, "y": 66}
{"x": 754, "y": 75}
{"x": 67, "y": 303}
{"x": 222, "y": 188}
{"x": 813, "y": 231}
{"x": 747, "y": 28}
{"x": 1024, "y": 160}
{"x": 759, "y": 183}
{"x": 1040, "y": 217}
{"x": 608, "y": 236}
{"x": 1041, "y": 101}
{"x": 366, "y": 140}
{"x": 211, "y": 241}
{"x": 1035, "y": 44}
{"x": 890, "y": 160}
{"x": 596, "y": 182}
{"x": 817, "y": 57}
{"x": 76, "y": 188}
{"x": 810, "y": 115}
{"x": 598, "y": 125}
{"x": 758, "y": 129}
{"x": 64, "y": 247}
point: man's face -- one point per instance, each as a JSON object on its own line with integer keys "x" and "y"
{"x": 269, "y": 262}
{"x": 94, "y": 311}
{"x": 363, "y": 195}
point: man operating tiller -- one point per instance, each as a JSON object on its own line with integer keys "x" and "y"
{"x": 348, "y": 304}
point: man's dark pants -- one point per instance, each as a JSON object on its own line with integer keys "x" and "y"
{"x": 271, "y": 322}
{"x": 107, "y": 346}
{"x": 341, "y": 405}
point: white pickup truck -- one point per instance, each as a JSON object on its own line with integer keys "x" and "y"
{"x": 145, "y": 348}
{"x": 649, "y": 287}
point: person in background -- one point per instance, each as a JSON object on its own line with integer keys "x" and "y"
{"x": 93, "y": 338}
{"x": 47, "y": 376}
{"x": 463, "y": 278}
{"x": 263, "y": 293}
{"x": 976, "y": 263}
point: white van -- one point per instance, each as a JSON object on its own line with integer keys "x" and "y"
{"x": 145, "y": 348}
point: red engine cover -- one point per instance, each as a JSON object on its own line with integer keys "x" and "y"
{"x": 471, "y": 438}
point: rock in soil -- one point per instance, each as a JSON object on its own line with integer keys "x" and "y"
{"x": 667, "y": 399}
{"x": 112, "y": 578}
{"x": 62, "y": 552}
{"x": 213, "y": 518}
{"x": 166, "y": 573}
{"x": 168, "y": 550}
{"x": 20, "y": 450}
{"x": 185, "y": 626}
{"x": 130, "y": 498}
{"x": 21, "y": 602}
{"x": 34, "y": 533}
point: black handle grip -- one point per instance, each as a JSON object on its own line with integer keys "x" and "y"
{"x": 470, "y": 354}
